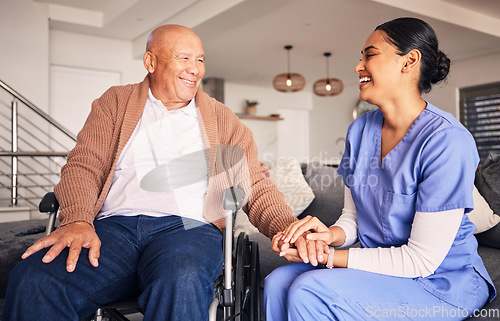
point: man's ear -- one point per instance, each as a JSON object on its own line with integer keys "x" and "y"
{"x": 149, "y": 60}
{"x": 412, "y": 59}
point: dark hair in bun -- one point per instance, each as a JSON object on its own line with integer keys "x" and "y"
{"x": 411, "y": 33}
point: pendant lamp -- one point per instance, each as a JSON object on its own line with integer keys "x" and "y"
{"x": 328, "y": 86}
{"x": 289, "y": 81}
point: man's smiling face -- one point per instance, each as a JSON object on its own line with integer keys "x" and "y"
{"x": 179, "y": 61}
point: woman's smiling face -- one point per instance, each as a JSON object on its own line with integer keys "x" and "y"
{"x": 379, "y": 69}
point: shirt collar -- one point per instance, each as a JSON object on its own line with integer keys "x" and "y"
{"x": 189, "y": 109}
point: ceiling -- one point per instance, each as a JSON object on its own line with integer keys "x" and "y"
{"x": 244, "y": 39}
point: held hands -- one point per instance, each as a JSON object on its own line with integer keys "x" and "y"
{"x": 305, "y": 241}
{"x": 76, "y": 236}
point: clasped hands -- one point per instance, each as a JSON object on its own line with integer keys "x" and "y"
{"x": 305, "y": 241}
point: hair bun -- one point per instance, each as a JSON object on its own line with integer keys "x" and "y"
{"x": 442, "y": 67}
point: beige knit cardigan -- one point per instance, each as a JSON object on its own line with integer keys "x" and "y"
{"x": 87, "y": 176}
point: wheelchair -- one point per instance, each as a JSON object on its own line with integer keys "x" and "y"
{"x": 237, "y": 292}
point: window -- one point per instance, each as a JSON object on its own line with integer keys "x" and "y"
{"x": 480, "y": 114}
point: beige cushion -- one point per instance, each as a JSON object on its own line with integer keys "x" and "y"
{"x": 482, "y": 216}
{"x": 287, "y": 175}
{"x": 242, "y": 224}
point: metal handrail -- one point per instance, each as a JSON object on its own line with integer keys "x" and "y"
{"x": 37, "y": 110}
{"x": 34, "y": 154}
{"x": 28, "y": 165}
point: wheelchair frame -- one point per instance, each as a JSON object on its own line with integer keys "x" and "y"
{"x": 236, "y": 292}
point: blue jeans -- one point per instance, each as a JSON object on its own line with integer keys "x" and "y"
{"x": 170, "y": 261}
{"x": 303, "y": 292}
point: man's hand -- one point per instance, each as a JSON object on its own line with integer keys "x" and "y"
{"x": 75, "y": 236}
{"x": 302, "y": 250}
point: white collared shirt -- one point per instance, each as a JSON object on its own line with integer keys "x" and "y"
{"x": 162, "y": 169}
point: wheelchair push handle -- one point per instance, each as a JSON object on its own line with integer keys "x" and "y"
{"x": 232, "y": 199}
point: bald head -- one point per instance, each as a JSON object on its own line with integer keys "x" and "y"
{"x": 162, "y": 35}
{"x": 175, "y": 61}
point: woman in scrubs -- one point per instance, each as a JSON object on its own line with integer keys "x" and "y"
{"x": 409, "y": 171}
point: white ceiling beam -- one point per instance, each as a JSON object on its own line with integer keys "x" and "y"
{"x": 75, "y": 15}
{"x": 450, "y": 13}
{"x": 190, "y": 17}
{"x": 115, "y": 8}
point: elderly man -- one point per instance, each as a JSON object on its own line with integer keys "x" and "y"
{"x": 125, "y": 227}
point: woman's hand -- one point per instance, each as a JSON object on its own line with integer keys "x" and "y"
{"x": 320, "y": 232}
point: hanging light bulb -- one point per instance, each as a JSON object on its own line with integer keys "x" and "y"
{"x": 328, "y": 86}
{"x": 289, "y": 81}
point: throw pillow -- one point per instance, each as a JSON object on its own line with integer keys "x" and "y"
{"x": 490, "y": 238}
{"x": 288, "y": 177}
{"x": 488, "y": 185}
{"x": 488, "y": 181}
{"x": 242, "y": 224}
{"x": 482, "y": 216}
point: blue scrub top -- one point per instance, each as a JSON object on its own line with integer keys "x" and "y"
{"x": 430, "y": 170}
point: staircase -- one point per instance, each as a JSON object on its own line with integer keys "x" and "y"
{"x": 33, "y": 148}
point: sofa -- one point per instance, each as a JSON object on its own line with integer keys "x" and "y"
{"x": 328, "y": 190}
{"x": 323, "y": 198}
{"x": 13, "y": 242}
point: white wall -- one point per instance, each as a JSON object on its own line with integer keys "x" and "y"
{"x": 24, "y": 39}
{"x": 265, "y": 132}
{"x": 96, "y": 53}
{"x": 88, "y": 55}
{"x": 269, "y": 99}
{"x": 66, "y": 83}
{"x": 293, "y": 134}
{"x": 328, "y": 124}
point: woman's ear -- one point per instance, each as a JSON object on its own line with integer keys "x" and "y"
{"x": 412, "y": 60}
{"x": 149, "y": 61}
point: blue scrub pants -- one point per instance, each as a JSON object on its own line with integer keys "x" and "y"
{"x": 172, "y": 261}
{"x": 303, "y": 292}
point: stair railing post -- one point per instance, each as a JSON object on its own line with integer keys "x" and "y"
{"x": 14, "y": 150}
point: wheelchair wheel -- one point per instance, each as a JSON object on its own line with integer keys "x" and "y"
{"x": 255, "y": 299}
{"x": 247, "y": 280}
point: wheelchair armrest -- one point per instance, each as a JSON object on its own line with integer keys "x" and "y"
{"x": 49, "y": 203}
